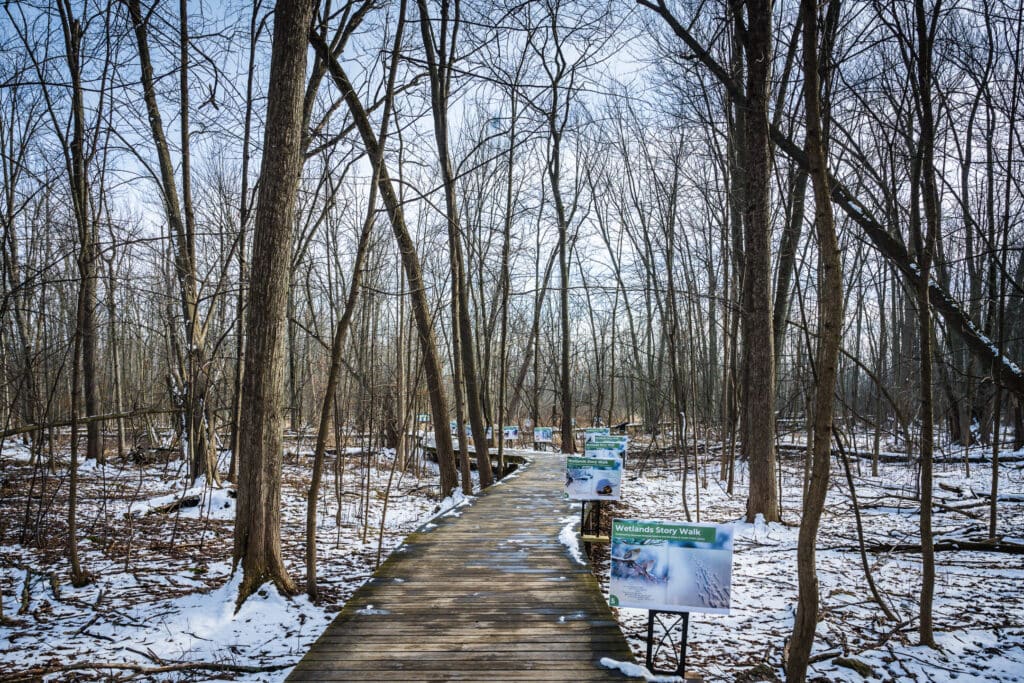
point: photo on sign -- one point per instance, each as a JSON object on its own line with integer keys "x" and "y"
{"x": 671, "y": 566}
{"x": 543, "y": 434}
{"x": 510, "y": 433}
{"x": 596, "y": 476}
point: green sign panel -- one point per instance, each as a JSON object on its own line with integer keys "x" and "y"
{"x": 657, "y": 531}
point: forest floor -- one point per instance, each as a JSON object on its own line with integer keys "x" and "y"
{"x": 163, "y": 595}
{"x": 978, "y": 604}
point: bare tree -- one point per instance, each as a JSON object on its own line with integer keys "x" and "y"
{"x": 440, "y": 52}
{"x": 258, "y": 518}
{"x": 410, "y": 260}
{"x": 194, "y": 377}
{"x": 830, "y": 328}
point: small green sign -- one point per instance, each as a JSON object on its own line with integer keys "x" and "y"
{"x": 663, "y": 532}
{"x": 574, "y": 462}
{"x": 611, "y": 443}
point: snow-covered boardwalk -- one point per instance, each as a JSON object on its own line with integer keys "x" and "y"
{"x": 490, "y": 593}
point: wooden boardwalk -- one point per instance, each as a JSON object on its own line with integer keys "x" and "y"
{"x": 489, "y": 595}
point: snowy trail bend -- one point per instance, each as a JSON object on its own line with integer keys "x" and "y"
{"x": 489, "y": 595}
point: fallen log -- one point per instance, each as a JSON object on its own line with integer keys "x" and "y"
{"x": 174, "y": 506}
{"x": 995, "y": 546}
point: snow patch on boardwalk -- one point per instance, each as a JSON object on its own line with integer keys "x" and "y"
{"x": 567, "y": 536}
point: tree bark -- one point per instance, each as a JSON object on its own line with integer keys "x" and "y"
{"x": 759, "y": 358}
{"x": 925, "y": 25}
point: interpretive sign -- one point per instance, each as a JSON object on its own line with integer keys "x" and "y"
{"x": 595, "y": 476}
{"x": 510, "y": 433}
{"x": 671, "y": 566}
{"x": 591, "y": 433}
{"x": 423, "y": 417}
{"x": 454, "y": 426}
{"x": 543, "y": 434}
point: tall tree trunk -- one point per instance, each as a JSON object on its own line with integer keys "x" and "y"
{"x": 830, "y": 327}
{"x": 759, "y": 359}
{"x": 88, "y": 248}
{"x": 83, "y": 361}
{"x": 925, "y": 26}
{"x": 506, "y": 280}
{"x": 1000, "y": 331}
{"x": 257, "y": 543}
{"x": 554, "y": 173}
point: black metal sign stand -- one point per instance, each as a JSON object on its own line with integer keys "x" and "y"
{"x": 674, "y": 633}
{"x": 594, "y": 527}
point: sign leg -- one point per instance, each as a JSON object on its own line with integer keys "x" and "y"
{"x": 673, "y": 633}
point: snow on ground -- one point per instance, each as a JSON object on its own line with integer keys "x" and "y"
{"x": 978, "y": 605}
{"x": 637, "y": 671}
{"x": 163, "y": 591}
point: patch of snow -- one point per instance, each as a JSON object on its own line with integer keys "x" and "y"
{"x": 16, "y": 451}
{"x": 448, "y": 506}
{"x": 637, "y": 671}
{"x": 371, "y": 610}
{"x": 148, "y": 603}
{"x": 567, "y": 537}
{"x": 214, "y": 503}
